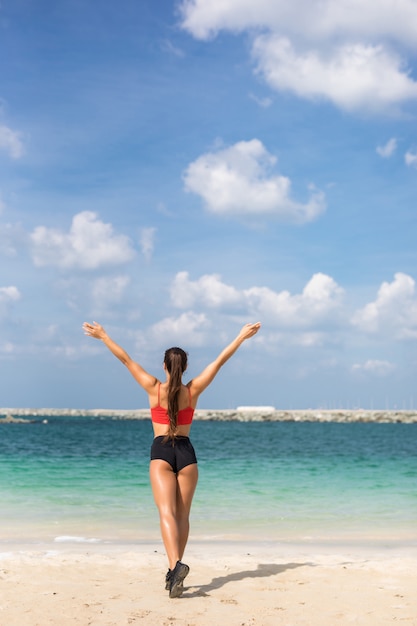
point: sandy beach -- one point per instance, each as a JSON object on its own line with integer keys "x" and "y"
{"x": 231, "y": 583}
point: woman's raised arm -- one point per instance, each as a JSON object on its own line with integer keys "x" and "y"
{"x": 203, "y": 380}
{"x": 139, "y": 374}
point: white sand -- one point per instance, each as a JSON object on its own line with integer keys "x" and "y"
{"x": 230, "y": 584}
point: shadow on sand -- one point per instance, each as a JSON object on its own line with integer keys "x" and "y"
{"x": 263, "y": 571}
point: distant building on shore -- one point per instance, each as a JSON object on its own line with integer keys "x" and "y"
{"x": 256, "y": 409}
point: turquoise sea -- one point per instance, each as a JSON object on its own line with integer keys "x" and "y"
{"x": 86, "y": 480}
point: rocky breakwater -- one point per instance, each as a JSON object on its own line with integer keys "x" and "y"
{"x": 240, "y": 414}
{"x": 269, "y": 414}
{"x": 22, "y": 413}
{"x": 10, "y": 419}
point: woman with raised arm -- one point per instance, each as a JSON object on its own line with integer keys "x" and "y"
{"x": 173, "y": 466}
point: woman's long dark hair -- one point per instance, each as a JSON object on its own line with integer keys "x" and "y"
{"x": 175, "y": 360}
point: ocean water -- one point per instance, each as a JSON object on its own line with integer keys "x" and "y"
{"x": 86, "y": 480}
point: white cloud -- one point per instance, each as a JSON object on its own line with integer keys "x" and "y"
{"x": 319, "y": 301}
{"x": 411, "y": 158}
{"x": 9, "y": 234}
{"x": 350, "y": 52}
{"x": 8, "y": 295}
{"x": 374, "y": 366}
{"x": 208, "y": 290}
{"x": 11, "y": 142}
{"x": 238, "y": 181}
{"x": 188, "y": 329}
{"x": 262, "y": 102}
{"x": 352, "y": 76}
{"x": 7, "y": 348}
{"x": 388, "y": 149}
{"x": 109, "y": 290}
{"x": 309, "y": 339}
{"x": 168, "y": 46}
{"x": 90, "y": 244}
{"x": 291, "y": 341}
{"x": 313, "y": 19}
{"x": 394, "y": 311}
{"x": 147, "y": 237}
{"x": 11, "y": 237}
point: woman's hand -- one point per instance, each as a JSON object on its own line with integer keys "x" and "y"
{"x": 201, "y": 382}
{"x": 141, "y": 376}
{"x": 94, "y": 330}
{"x": 249, "y": 330}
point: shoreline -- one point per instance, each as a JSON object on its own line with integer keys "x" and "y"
{"x": 246, "y": 414}
{"x": 93, "y": 537}
{"x": 217, "y": 546}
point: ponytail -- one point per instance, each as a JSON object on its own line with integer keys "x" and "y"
{"x": 175, "y": 361}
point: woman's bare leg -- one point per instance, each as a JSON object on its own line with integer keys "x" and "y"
{"x": 173, "y": 495}
{"x": 186, "y": 484}
{"x": 164, "y": 488}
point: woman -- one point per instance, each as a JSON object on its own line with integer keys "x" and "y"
{"x": 173, "y": 466}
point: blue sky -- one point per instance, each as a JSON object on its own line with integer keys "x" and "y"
{"x": 176, "y": 169}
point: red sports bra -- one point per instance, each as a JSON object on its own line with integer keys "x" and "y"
{"x": 160, "y": 415}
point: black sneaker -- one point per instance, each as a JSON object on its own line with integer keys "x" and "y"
{"x": 168, "y": 579}
{"x": 177, "y": 579}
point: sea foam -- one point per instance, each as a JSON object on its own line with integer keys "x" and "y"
{"x": 75, "y": 539}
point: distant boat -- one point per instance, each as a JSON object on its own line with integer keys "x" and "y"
{"x": 256, "y": 409}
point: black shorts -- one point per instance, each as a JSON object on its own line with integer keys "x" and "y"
{"x": 178, "y": 454}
